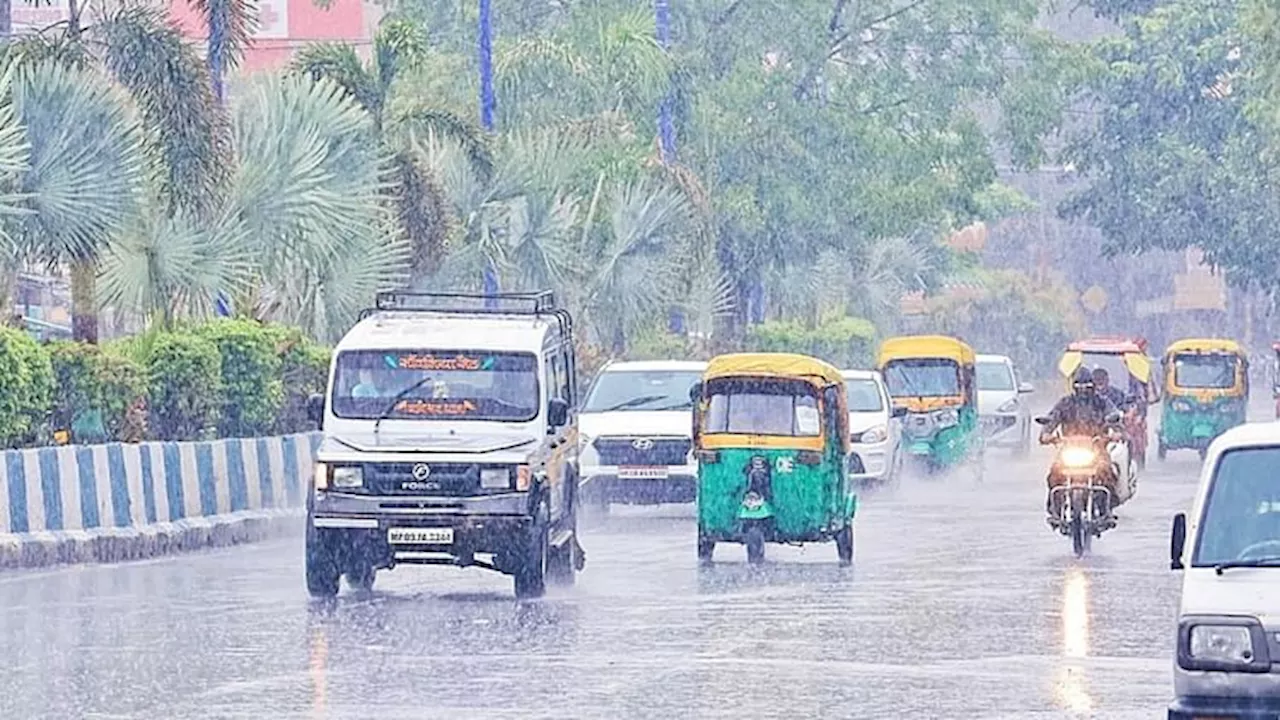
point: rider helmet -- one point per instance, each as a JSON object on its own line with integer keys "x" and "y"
{"x": 1082, "y": 382}
{"x": 1101, "y": 376}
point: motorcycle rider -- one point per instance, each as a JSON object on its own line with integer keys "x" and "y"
{"x": 1103, "y": 386}
{"x": 1083, "y": 413}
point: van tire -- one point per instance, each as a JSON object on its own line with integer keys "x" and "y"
{"x": 531, "y": 569}
{"x": 322, "y": 569}
{"x": 562, "y": 562}
{"x": 362, "y": 576}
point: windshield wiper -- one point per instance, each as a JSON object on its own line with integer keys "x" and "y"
{"x": 1260, "y": 562}
{"x": 686, "y": 405}
{"x": 395, "y": 401}
{"x": 642, "y": 400}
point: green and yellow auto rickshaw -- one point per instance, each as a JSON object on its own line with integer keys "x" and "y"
{"x": 771, "y": 435}
{"x": 1206, "y": 383}
{"x": 932, "y": 378}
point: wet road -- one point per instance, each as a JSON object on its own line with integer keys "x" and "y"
{"x": 962, "y": 604}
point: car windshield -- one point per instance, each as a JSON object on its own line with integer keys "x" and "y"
{"x": 450, "y": 384}
{"x": 864, "y": 395}
{"x": 753, "y": 407}
{"x": 1204, "y": 371}
{"x": 642, "y": 390}
{"x": 995, "y": 376}
{"x": 922, "y": 378}
{"x": 1242, "y": 511}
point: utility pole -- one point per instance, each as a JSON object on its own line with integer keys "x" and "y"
{"x": 666, "y": 126}
{"x": 489, "y": 277}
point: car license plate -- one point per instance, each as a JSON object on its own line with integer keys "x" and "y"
{"x": 420, "y": 536}
{"x": 642, "y": 473}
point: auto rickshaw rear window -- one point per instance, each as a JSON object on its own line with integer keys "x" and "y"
{"x": 758, "y": 406}
{"x": 1209, "y": 372}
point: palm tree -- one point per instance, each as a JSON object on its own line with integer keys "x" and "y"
{"x": 85, "y": 178}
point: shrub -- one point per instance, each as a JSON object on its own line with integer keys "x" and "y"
{"x": 26, "y": 388}
{"x": 98, "y": 395}
{"x": 184, "y": 374}
{"x": 252, "y": 386}
{"x": 304, "y": 371}
{"x": 843, "y": 341}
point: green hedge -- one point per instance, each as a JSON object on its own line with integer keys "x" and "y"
{"x": 846, "y": 342}
{"x": 26, "y": 389}
{"x": 224, "y": 378}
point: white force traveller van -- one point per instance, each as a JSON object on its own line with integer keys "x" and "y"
{"x": 1227, "y": 664}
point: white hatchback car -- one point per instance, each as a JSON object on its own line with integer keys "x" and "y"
{"x": 1005, "y": 416}
{"x": 874, "y": 428}
{"x": 1227, "y": 662}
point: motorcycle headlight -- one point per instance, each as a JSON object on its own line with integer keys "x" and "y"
{"x": 875, "y": 435}
{"x": 495, "y": 478}
{"x": 348, "y": 477}
{"x": 946, "y": 418}
{"x": 1078, "y": 457}
{"x": 1237, "y": 644}
{"x": 1008, "y": 407}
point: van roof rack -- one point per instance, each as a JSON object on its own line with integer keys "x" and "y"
{"x": 514, "y": 303}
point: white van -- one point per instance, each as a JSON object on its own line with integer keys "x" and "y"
{"x": 1227, "y": 663}
{"x": 449, "y": 439}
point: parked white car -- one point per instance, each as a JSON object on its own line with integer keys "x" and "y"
{"x": 1003, "y": 412}
{"x": 1228, "y": 549}
{"x": 635, "y": 434}
{"x": 874, "y": 429}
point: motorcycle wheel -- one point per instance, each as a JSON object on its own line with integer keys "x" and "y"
{"x": 1079, "y": 537}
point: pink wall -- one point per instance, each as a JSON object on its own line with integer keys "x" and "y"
{"x": 285, "y": 25}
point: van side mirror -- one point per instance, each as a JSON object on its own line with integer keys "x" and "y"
{"x": 315, "y": 409}
{"x": 1043, "y": 420}
{"x": 1178, "y": 541}
{"x": 695, "y": 393}
{"x": 898, "y": 412}
{"x": 1026, "y": 388}
{"x": 557, "y": 412}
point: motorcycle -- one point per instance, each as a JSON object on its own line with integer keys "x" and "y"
{"x": 1084, "y": 501}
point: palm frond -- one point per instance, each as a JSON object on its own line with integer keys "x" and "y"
{"x": 421, "y": 120}
{"x": 540, "y": 239}
{"x": 230, "y": 24}
{"x": 15, "y": 154}
{"x": 188, "y": 126}
{"x": 339, "y": 63}
{"x": 86, "y": 161}
{"x": 423, "y": 211}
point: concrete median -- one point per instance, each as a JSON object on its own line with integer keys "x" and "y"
{"x": 117, "y": 502}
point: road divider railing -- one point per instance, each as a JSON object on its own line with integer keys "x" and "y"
{"x": 114, "y": 502}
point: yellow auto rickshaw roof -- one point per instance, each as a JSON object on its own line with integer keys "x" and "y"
{"x": 774, "y": 365}
{"x": 1205, "y": 345}
{"x": 1136, "y": 363}
{"x": 925, "y": 346}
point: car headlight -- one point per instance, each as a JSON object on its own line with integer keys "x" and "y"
{"x": 875, "y": 435}
{"x": 1078, "y": 457}
{"x": 495, "y": 478}
{"x": 351, "y": 476}
{"x": 1009, "y": 406}
{"x": 1237, "y": 644}
{"x": 946, "y": 417}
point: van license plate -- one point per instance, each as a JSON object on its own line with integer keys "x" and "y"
{"x": 642, "y": 473}
{"x": 420, "y": 536}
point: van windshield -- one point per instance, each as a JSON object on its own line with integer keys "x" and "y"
{"x": 864, "y": 395}
{"x": 995, "y": 376}
{"x": 763, "y": 407}
{"x": 1242, "y": 511}
{"x": 450, "y": 384}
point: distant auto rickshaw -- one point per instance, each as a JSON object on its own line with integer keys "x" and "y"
{"x": 932, "y": 377}
{"x": 1129, "y": 370}
{"x": 771, "y": 435}
{"x": 1206, "y": 385}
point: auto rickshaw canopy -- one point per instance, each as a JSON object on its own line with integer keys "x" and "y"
{"x": 925, "y": 346}
{"x": 1205, "y": 345}
{"x": 774, "y": 365}
{"x": 1135, "y": 361}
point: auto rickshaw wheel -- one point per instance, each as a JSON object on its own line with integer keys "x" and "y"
{"x": 754, "y": 541}
{"x": 706, "y": 549}
{"x": 1161, "y": 451}
{"x": 844, "y": 545}
{"x": 1204, "y": 452}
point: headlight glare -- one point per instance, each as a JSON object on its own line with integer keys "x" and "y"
{"x": 348, "y": 477}
{"x": 495, "y": 478}
{"x": 1078, "y": 457}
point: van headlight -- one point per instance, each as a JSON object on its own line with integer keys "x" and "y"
{"x": 495, "y": 478}
{"x": 1223, "y": 643}
{"x": 946, "y": 417}
{"x": 351, "y": 476}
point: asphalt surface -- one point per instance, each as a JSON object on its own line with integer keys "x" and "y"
{"x": 962, "y": 604}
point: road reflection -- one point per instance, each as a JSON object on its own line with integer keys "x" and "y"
{"x": 318, "y": 670}
{"x": 1071, "y": 681}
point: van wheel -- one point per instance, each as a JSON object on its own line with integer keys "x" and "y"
{"x": 531, "y": 572}
{"x": 561, "y": 563}
{"x": 706, "y": 549}
{"x": 755, "y": 544}
{"x": 844, "y": 545}
{"x": 362, "y": 577}
{"x": 321, "y": 565}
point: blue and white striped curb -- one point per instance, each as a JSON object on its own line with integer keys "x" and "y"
{"x": 165, "y": 494}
